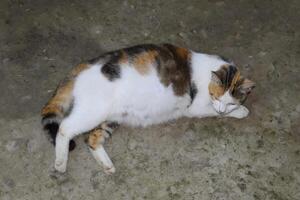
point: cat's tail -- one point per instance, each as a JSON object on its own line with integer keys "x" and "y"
{"x": 56, "y": 109}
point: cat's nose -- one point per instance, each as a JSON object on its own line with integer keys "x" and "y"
{"x": 221, "y": 112}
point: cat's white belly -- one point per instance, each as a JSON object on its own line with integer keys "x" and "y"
{"x": 133, "y": 99}
{"x": 141, "y": 100}
{"x": 147, "y": 114}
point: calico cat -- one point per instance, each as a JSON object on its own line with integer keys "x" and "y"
{"x": 139, "y": 86}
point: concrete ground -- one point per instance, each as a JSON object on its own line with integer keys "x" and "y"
{"x": 257, "y": 158}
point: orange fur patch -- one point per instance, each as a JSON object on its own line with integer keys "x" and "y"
{"x": 62, "y": 97}
{"x": 236, "y": 78}
{"x": 183, "y": 53}
{"x": 96, "y": 137}
{"x": 63, "y": 94}
{"x": 50, "y": 108}
{"x": 215, "y": 90}
{"x": 143, "y": 61}
{"x": 124, "y": 57}
{"x": 79, "y": 68}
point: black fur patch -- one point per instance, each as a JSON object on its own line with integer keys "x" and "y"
{"x": 52, "y": 129}
{"x": 113, "y": 125}
{"x": 193, "y": 91}
{"x": 226, "y": 75}
{"x": 177, "y": 66}
{"x": 111, "y": 71}
{"x": 111, "y": 68}
{"x": 230, "y": 75}
{"x": 173, "y": 67}
{"x": 135, "y": 50}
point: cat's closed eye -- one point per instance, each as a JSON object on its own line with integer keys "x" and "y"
{"x": 231, "y": 104}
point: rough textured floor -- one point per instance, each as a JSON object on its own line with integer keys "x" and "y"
{"x": 257, "y": 158}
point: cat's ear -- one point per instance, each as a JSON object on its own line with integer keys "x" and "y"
{"x": 246, "y": 87}
{"x": 215, "y": 78}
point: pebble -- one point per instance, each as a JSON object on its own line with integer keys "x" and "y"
{"x": 146, "y": 34}
{"x": 203, "y": 33}
{"x": 32, "y": 145}
{"x": 26, "y": 98}
{"x": 262, "y": 54}
{"x": 173, "y": 190}
{"x": 132, "y": 144}
{"x": 12, "y": 146}
{"x": 5, "y": 60}
{"x": 182, "y": 35}
{"x": 8, "y": 184}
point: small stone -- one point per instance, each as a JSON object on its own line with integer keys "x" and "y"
{"x": 26, "y": 98}
{"x": 262, "y": 54}
{"x": 182, "y": 35}
{"x": 5, "y": 60}
{"x": 32, "y": 146}
{"x": 210, "y": 190}
{"x": 8, "y": 184}
{"x": 12, "y": 146}
{"x": 132, "y": 144}
{"x": 203, "y": 33}
{"x": 173, "y": 190}
{"x": 146, "y": 34}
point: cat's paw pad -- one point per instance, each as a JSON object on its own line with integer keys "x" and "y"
{"x": 109, "y": 170}
{"x": 60, "y": 166}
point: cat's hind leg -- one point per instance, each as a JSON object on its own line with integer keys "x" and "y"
{"x": 96, "y": 141}
{"x": 79, "y": 121}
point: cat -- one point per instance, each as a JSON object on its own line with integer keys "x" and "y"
{"x": 139, "y": 86}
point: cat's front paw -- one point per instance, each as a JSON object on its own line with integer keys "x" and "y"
{"x": 60, "y": 166}
{"x": 239, "y": 113}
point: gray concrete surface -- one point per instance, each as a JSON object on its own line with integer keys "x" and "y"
{"x": 257, "y": 158}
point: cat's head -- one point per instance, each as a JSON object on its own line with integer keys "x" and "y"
{"x": 228, "y": 89}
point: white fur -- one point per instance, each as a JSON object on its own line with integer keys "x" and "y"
{"x": 225, "y": 104}
{"x": 103, "y": 159}
{"x": 134, "y": 99}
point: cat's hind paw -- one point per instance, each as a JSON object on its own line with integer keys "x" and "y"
{"x": 109, "y": 170}
{"x": 60, "y": 166}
